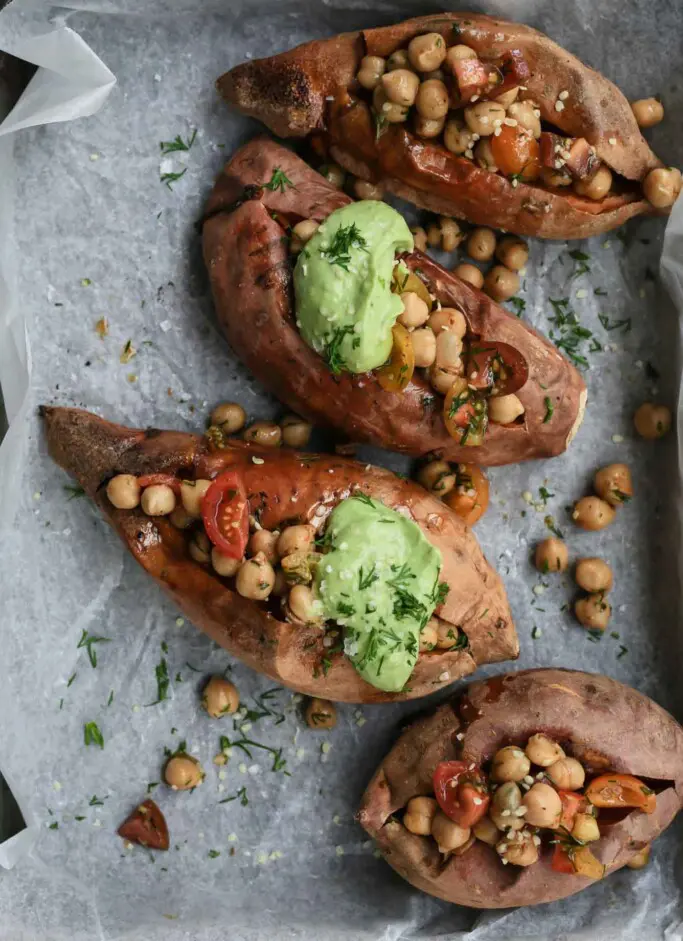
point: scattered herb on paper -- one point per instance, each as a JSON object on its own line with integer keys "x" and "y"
{"x": 171, "y": 146}
{"x": 92, "y": 734}
{"x": 88, "y": 641}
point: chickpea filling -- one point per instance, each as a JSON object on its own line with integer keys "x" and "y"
{"x": 527, "y": 796}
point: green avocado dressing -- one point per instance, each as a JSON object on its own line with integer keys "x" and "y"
{"x": 379, "y": 580}
{"x": 342, "y": 280}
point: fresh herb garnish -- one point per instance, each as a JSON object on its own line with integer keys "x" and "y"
{"x": 332, "y": 352}
{"x": 519, "y": 304}
{"x": 161, "y": 673}
{"x": 339, "y": 250}
{"x": 550, "y": 523}
{"x": 241, "y": 795}
{"x": 346, "y": 609}
{"x": 600, "y": 292}
{"x": 74, "y": 492}
{"x": 88, "y": 641}
{"x": 622, "y": 651}
{"x": 406, "y": 605}
{"x": 96, "y": 801}
{"x": 363, "y": 497}
{"x": 549, "y": 409}
{"x": 92, "y": 734}
{"x": 621, "y": 496}
{"x": 581, "y": 259}
{"x": 71, "y": 679}
{"x": 624, "y": 325}
{"x": 571, "y": 334}
{"x": 278, "y": 181}
{"x": 171, "y": 146}
{"x": 170, "y": 178}
{"x": 214, "y": 854}
{"x": 440, "y": 593}
{"x": 535, "y": 632}
{"x": 381, "y": 122}
{"x": 365, "y": 581}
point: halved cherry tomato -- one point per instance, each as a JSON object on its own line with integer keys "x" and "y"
{"x": 149, "y": 480}
{"x": 572, "y": 804}
{"x": 621, "y": 790}
{"x": 397, "y": 373}
{"x": 561, "y": 861}
{"x": 146, "y": 826}
{"x": 465, "y": 414}
{"x": 576, "y": 860}
{"x": 516, "y": 153}
{"x": 225, "y": 510}
{"x": 496, "y": 364}
{"x": 470, "y": 496}
{"x": 404, "y": 281}
{"x": 461, "y": 792}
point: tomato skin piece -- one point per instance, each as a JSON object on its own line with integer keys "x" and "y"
{"x": 572, "y": 804}
{"x": 396, "y": 375}
{"x": 621, "y": 790}
{"x": 146, "y": 825}
{"x": 471, "y": 76}
{"x": 151, "y": 480}
{"x": 223, "y": 505}
{"x": 457, "y": 800}
{"x": 516, "y": 153}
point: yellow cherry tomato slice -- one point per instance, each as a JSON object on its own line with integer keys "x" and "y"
{"x": 395, "y": 375}
{"x": 465, "y": 414}
{"x": 403, "y": 280}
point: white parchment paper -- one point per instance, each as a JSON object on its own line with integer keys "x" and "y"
{"x": 87, "y": 230}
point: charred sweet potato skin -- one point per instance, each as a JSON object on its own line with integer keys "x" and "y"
{"x": 603, "y": 723}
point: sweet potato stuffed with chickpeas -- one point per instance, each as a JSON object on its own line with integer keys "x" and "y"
{"x": 527, "y": 788}
{"x": 336, "y": 579}
{"x": 325, "y": 301}
{"x": 468, "y": 116}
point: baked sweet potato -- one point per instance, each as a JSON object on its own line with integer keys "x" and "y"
{"x": 282, "y": 487}
{"x": 620, "y": 739}
{"x": 247, "y": 256}
{"x": 314, "y": 90}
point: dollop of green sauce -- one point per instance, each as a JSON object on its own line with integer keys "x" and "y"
{"x": 379, "y": 579}
{"x": 342, "y": 281}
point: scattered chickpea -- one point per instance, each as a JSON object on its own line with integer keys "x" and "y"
{"x": 500, "y": 283}
{"x": 457, "y": 137}
{"x": 451, "y": 234}
{"x": 305, "y": 230}
{"x": 593, "y": 575}
{"x": 415, "y": 311}
{"x": 448, "y": 835}
{"x": 448, "y": 318}
{"x": 434, "y": 235}
{"x": 265, "y": 541}
{"x": 597, "y": 186}
{"x": 504, "y": 409}
{"x": 446, "y": 634}
{"x": 483, "y": 155}
{"x": 507, "y": 800}
{"x": 470, "y": 274}
{"x": 225, "y": 565}
{"x": 593, "y": 612}
{"x": 640, "y": 859}
{"x": 320, "y": 713}
{"x": 481, "y": 244}
{"x": 543, "y": 805}
{"x": 483, "y": 117}
{"x": 429, "y": 635}
{"x": 427, "y": 52}
{"x": 363, "y": 189}
{"x": 398, "y": 60}
{"x": 295, "y": 539}
{"x": 543, "y": 751}
{"x": 183, "y": 773}
{"x": 334, "y": 174}
{"x": 296, "y": 433}
{"x": 510, "y": 764}
{"x": 647, "y": 111}
{"x": 519, "y": 852}
{"x": 229, "y": 416}
{"x": 652, "y": 421}
{"x": 438, "y": 477}
{"x": 662, "y": 186}
{"x": 512, "y": 252}
{"x": 220, "y": 697}
{"x": 432, "y": 99}
{"x": 424, "y": 347}
{"x": 191, "y": 494}
{"x": 551, "y": 555}
{"x": 371, "y": 71}
{"x": 255, "y": 578}
{"x": 592, "y": 513}
{"x": 265, "y": 433}
{"x": 400, "y": 86}
{"x": 567, "y": 774}
{"x": 586, "y": 828}
{"x": 486, "y": 831}
{"x": 180, "y": 518}
{"x": 613, "y": 483}
{"x": 158, "y": 500}
{"x": 200, "y": 547}
{"x": 448, "y": 350}
{"x": 419, "y": 815}
{"x": 524, "y": 113}
{"x": 123, "y": 491}
{"x": 302, "y": 605}
{"x": 389, "y": 110}
{"x": 419, "y": 238}
{"x": 428, "y": 127}
{"x": 442, "y": 379}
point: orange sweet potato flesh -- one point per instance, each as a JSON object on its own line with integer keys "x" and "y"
{"x": 286, "y": 487}
{"x": 249, "y": 266}
{"x": 596, "y": 719}
{"x": 312, "y": 90}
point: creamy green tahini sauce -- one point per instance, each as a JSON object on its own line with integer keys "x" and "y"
{"x": 379, "y": 580}
{"x": 342, "y": 281}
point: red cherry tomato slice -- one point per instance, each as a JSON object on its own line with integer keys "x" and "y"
{"x": 461, "y": 792}
{"x": 561, "y": 861}
{"x": 496, "y": 365}
{"x": 225, "y": 510}
{"x": 149, "y": 480}
{"x": 621, "y": 790}
{"x": 146, "y": 826}
{"x": 572, "y": 804}
{"x": 517, "y": 153}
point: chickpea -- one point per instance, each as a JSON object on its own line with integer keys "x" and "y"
{"x": 592, "y": 513}
{"x": 296, "y": 433}
{"x": 320, "y": 713}
{"x": 483, "y": 155}
{"x": 504, "y": 409}
{"x": 427, "y": 52}
{"x": 647, "y": 111}
{"x": 567, "y": 774}
{"x": 543, "y": 751}
{"x": 552, "y": 177}
{"x": 524, "y": 113}
{"x": 508, "y": 97}
{"x": 305, "y": 230}
{"x": 519, "y": 852}
{"x": 507, "y": 801}
{"x": 597, "y": 186}
{"x": 158, "y": 500}
{"x": 415, "y": 311}
{"x": 225, "y": 565}
{"x": 448, "y": 350}
{"x": 220, "y": 697}
{"x": 662, "y": 186}
{"x": 437, "y": 477}
{"x": 613, "y": 483}
{"x": 510, "y": 764}
{"x": 543, "y": 805}
{"x": 484, "y": 117}
{"x": 302, "y": 605}
{"x": 512, "y": 252}
{"x": 297, "y": 538}
{"x": 481, "y": 244}
{"x": 419, "y": 815}
{"x": 486, "y": 831}
{"x": 640, "y": 859}
{"x": 123, "y": 491}
{"x": 586, "y": 828}
{"x": 371, "y": 71}
{"x": 200, "y": 547}
{"x": 334, "y": 174}
{"x": 551, "y": 555}
{"x": 389, "y": 110}
{"x": 363, "y": 189}
{"x": 428, "y": 127}
{"x": 501, "y": 284}
{"x": 265, "y": 541}
{"x": 451, "y": 234}
{"x": 434, "y": 235}
{"x": 191, "y": 494}
{"x": 183, "y": 773}
{"x": 180, "y": 518}
{"x": 593, "y": 575}
{"x": 400, "y": 86}
{"x": 593, "y": 612}
{"x": 419, "y": 238}
{"x": 652, "y": 421}
{"x": 457, "y": 54}
{"x": 429, "y": 635}
{"x": 470, "y": 274}
{"x": 424, "y": 347}
{"x": 432, "y": 99}
{"x": 398, "y": 60}
{"x": 265, "y": 433}
{"x": 457, "y": 137}
{"x": 447, "y": 634}
{"x": 229, "y": 416}
{"x": 256, "y": 578}
{"x": 450, "y": 319}
{"x": 440, "y": 379}
{"x": 448, "y": 835}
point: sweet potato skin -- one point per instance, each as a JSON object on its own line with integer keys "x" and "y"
{"x": 254, "y": 304}
{"x": 287, "y": 486}
{"x": 311, "y": 89}
{"x": 596, "y": 719}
